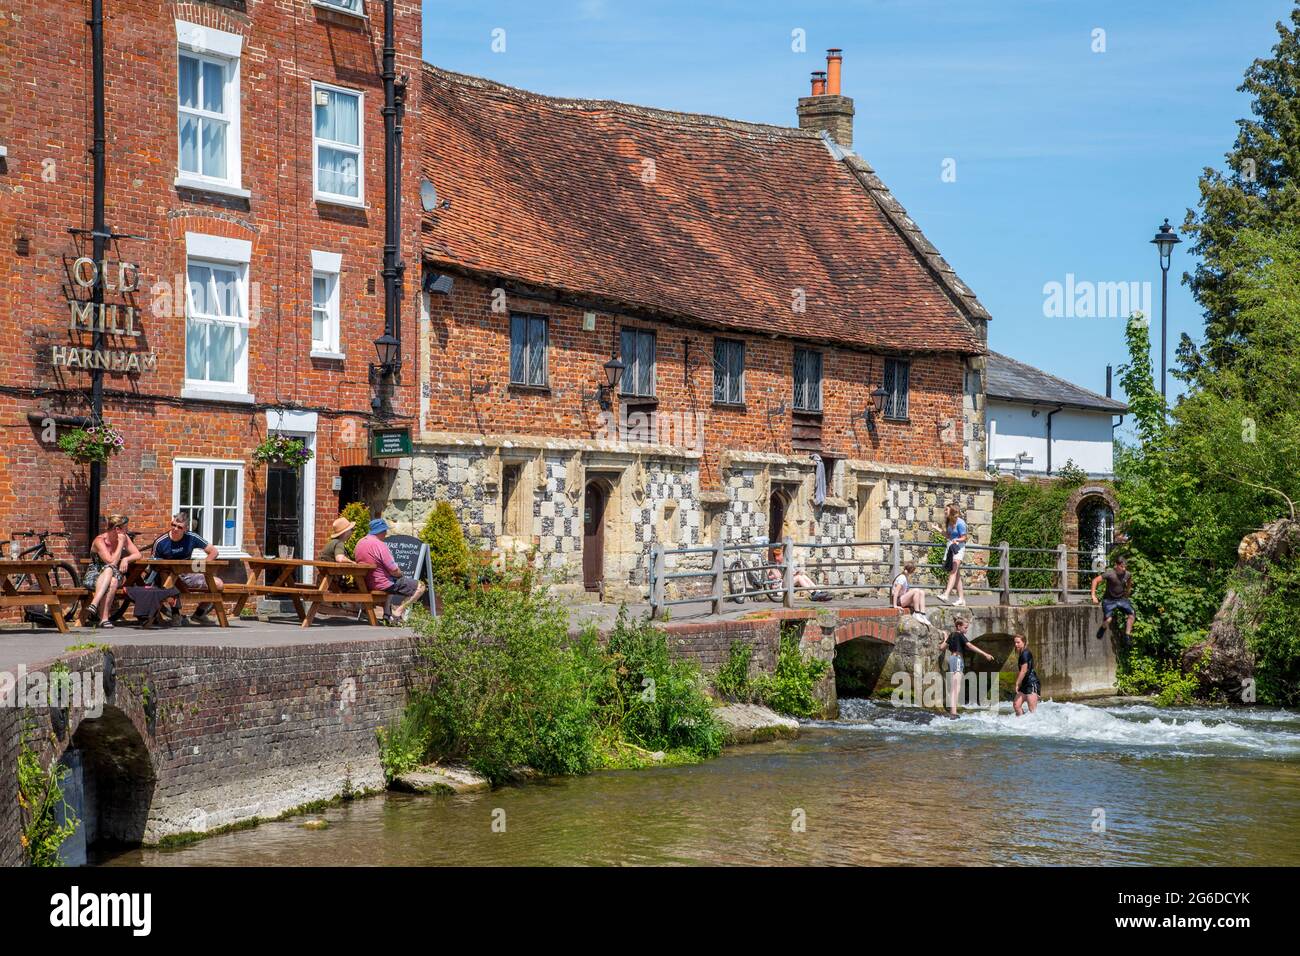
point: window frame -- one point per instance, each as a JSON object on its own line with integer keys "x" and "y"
{"x": 230, "y": 71}
{"x": 337, "y": 7}
{"x": 338, "y": 199}
{"x": 821, "y": 374}
{"x": 890, "y": 410}
{"x": 209, "y": 467}
{"x": 528, "y": 318}
{"x": 628, "y": 362}
{"x": 241, "y": 325}
{"x": 719, "y": 368}
{"x": 327, "y": 265}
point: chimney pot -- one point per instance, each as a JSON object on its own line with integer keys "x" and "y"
{"x": 834, "y": 59}
{"x": 819, "y": 83}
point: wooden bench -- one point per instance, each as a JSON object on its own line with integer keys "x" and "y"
{"x": 340, "y": 583}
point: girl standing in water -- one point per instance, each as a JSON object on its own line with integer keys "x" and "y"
{"x": 1027, "y": 687}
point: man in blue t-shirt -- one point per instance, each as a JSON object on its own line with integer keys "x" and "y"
{"x": 179, "y": 544}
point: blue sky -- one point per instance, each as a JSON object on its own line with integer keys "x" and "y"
{"x": 1066, "y": 159}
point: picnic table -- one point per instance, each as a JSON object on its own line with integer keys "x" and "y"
{"x": 337, "y": 582}
{"x": 44, "y": 595}
{"x": 170, "y": 573}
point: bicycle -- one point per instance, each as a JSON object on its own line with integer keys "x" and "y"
{"x": 63, "y": 576}
{"x": 755, "y": 579}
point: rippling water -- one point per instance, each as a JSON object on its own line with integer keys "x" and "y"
{"x": 880, "y": 785}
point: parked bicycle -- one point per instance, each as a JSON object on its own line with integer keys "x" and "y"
{"x": 63, "y": 576}
{"x": 748, "y": 578}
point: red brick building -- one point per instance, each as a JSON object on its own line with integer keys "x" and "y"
{"x": 761, "y": 289}
{"x": 245, "y": 159}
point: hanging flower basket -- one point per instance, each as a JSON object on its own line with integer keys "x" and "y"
{"x": 94, "y": 443}
{"x": 278, "y": 449}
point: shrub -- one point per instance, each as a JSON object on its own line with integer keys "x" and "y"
{"x": 1030, "y": 514}
{"x": 358, "y": 512}
{"x": 732, "y": 679}
{"x": 449, "y": 555}
{"x": 788, "y": 689}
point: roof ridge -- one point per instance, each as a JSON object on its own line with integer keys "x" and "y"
{"x": 579, "y": 103}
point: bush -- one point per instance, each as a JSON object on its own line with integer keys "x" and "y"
{"x": 788, "y": 690}
{"x": 449, "y": 555}
{"x": 1030, "y": 514}
{"x": 732, "y": 678}
{"x": 358, "y": 512}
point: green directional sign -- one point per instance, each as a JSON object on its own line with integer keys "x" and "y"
{"x": 390, "y": 443}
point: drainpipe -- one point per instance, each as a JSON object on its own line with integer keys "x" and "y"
{"x": 99, "y": 239}
{"x": 1049, "y": 437}
{"x": 394, "y": 108}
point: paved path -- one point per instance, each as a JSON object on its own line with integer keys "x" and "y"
{"x": 45, "y": 644}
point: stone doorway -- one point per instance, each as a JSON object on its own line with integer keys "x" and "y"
{"x": 595, "y": 501}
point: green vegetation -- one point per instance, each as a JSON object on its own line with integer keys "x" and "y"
{"x": 40, "y": 798}
{"x": 787, "y": 690}
{"x": 506, "y": 686}
{"x": 449, "y": 555}
{"x": 359, "y": 513}
{"x": 1029, "y": 514}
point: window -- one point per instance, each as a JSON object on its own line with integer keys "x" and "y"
{"x": 728, "y": 372}
{"x": 207, "y": 108}
{"x": 216, "y": 325}
{"x": 807, "y": 380}
{"x": 336, "y": 143}
{"x": 347, "y": 6}
{"x": 211, "y": 494}
{"x": 325, "y": 304}
{"x": 897, "y": 373}
{"x": 638, "y": 363}
{"x": 528, "y": 341}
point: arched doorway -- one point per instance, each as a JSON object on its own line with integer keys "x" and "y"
{"x": 1096, "y": 530}
{"x": 595, "y": 499}
{"x": 111, "y": 784}
{"x": 777, "y": 507}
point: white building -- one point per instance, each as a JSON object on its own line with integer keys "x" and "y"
{"x": 1039, "y": 422}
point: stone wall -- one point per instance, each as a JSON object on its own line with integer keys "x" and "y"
{"x": 222, "y": 735}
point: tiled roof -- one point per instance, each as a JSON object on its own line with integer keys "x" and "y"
{"x": 1005, "y": 378}
{"x": 689, "y": 217}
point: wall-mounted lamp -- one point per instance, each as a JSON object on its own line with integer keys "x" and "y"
{"x": 777, "y": 412}
{"x": 613, "y": 376}
{"x": 389, "y": 351}
{"x": 441, "y": 284}
{"x": 877, "y": 406}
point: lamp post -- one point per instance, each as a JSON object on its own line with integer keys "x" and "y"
{"x": 1164, "y": 241}
{"x": 389, "y": 351}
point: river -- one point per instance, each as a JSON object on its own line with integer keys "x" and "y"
{"x": 1119, "y": 783}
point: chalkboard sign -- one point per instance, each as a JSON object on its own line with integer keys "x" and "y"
{"x": 412, "y": 556}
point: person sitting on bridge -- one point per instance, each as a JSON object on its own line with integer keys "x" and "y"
{"x": 801, "y": 579}
{"x": 906, "y": 597}
{"x": 387, "y": 575}
{"x": 1119, "y": 585}
{"x": 1027, "y": 687}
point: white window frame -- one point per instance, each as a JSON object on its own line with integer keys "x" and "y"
{"x": 328, "y": 265}
{"x": 208, "y": 466}
{"x": 359, "y": 200}
{"x": 227, "y": 253}
{"x": 223, "y": 49}
{"x": 337, "y": 6}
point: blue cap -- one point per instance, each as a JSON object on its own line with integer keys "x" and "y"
{"x": 378, "y": 526}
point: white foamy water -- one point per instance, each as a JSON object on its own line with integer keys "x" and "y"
{"x": 1140, "y": 728}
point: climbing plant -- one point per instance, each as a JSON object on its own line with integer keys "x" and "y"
{"x": 40, "y": 797}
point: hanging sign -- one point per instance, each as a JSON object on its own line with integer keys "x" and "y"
{"x": 390, "y": 443}
{"x": 119, "y": 321}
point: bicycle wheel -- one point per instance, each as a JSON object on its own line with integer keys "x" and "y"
{"x": 736, "y": 570}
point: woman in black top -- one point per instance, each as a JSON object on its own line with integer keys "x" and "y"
{"x": 954, "y": 662}
{"x": 1026, "y": 678}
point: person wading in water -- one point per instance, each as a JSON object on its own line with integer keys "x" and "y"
{"x": 954, "y": 662}
{"x": 1026, "y": 678}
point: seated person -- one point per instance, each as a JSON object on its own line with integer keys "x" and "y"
{"x": 905, "y": 597}
{"x": 335, "y": 547}
{"x": 111, "y": 554}
{"x": 801, "y": 579}
{"x": 387, "y": 575}
{"x": 179, "y": 544}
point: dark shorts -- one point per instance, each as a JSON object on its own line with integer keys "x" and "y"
{"x": 403, "y": 587}
{"x": 1109, "y": 607}
{"x": 1029, "y": 686}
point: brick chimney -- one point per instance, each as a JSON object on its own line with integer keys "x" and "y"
{"x": 826, "y": 108}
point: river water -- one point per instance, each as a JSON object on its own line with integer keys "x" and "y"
{"x": 1076, "y": 784}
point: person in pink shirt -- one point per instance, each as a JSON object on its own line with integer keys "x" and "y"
{"x": 387, "y": 576}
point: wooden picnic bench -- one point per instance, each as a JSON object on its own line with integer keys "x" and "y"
{"x": 338, "y": 583}
{"x": 45, "y": 594}
{"x": 170, "y": 574}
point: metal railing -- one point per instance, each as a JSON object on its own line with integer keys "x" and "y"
{"x": 727, "y": 575}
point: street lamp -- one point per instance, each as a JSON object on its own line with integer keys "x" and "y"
{"x": 613, "y": 375}
{"x": 1164, "y": 241}
{"x": 389, "y": 350}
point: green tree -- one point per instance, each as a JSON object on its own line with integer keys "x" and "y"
{"x": 1258, "y": 190}
{"x": 448, "y": 553}
{"x": 360, "y": 514}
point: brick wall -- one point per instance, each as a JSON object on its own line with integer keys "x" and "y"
{"x": 46, "y": 188}
{"x": 469, "y": 391}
